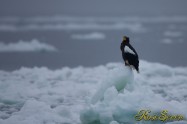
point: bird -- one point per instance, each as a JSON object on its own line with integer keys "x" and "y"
{"x": 129, "y": 54}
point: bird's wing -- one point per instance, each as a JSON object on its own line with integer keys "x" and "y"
{"x": 127, "y": 49}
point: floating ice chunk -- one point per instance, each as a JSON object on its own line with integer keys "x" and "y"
{"x": 90, "y": 36}
{"x": 27, "y": 46}
{"x": 89, "y": 116}
{"x": 110, "y": 94}
{"x": 105, "y": 117}
{"x": 34, "y": 112}
{"x": 40, "y": 95}
{"x": 118, "y": 77}
{"x": 114, "y": 122}
{"x": 177, "y": 122}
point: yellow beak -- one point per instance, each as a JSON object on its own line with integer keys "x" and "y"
{"x": 124, "y": 38}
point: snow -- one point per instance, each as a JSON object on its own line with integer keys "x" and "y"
{"x": 65, "y": 96}
{"x": 26, "y": 46}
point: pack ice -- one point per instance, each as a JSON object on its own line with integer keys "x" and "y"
{"x": 106, "y": 94}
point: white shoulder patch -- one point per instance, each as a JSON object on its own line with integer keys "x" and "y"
{"x": 127, "y": 49}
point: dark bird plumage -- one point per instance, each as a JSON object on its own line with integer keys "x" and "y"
{"x": 129, "y": 54}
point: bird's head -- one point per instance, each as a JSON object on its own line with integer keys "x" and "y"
{"x": 125, "y": 40}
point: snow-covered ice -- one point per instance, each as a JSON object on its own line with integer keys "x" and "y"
{"x": 26, "y": 46}
{"x": 90, "y": 36}
{"x": 65, "y": 96}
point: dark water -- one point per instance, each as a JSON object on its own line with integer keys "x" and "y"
{"x": 92, "y": 52}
